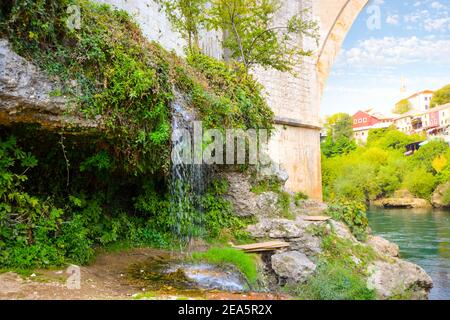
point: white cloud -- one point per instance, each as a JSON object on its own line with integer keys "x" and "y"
{"x": 390, "y": 51}
{"x": 393, "y": 19}
{"x": 440, "y": 25}
{"x": 437, "y": 5}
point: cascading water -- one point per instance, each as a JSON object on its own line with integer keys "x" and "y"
{"x": 188, "y": 181}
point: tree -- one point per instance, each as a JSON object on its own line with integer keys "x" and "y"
{"x": 339, "y": 139}
{"x": 253, "y": 39}
{"x": 440, "y": 97}
{"x": 340, "y": 125}
{"x": 186, "y": 17}
{"x": 402, "y": 107}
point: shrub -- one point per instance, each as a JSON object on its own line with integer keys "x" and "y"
{"x": 425, "y": 156}
{"x": 335, "y": 281}
{"x": 246, "y": 263}
{"x": 420, "y": 182}
{"x": 338, "y": 276}
{"x": 357, "y": 182}
{"x": 353, "y": 214}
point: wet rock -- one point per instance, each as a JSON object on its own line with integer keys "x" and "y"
{"x": 383, "y": 246}
{"x": 399, "y": 279}
{"x": 437, "y": 198}
{"x": 293, "y": 266}
{"x": 26, "y": 94}
{"x": 211, "y": 277}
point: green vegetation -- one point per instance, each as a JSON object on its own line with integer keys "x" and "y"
{"x": 441, "y": 96}
{"x": 380, "y": 168}
{"x": 353, "y": 214}
{"x": 284, "y": 198}
{"x": 251, "y": 38}
{"x": 341, "y": 273}
{"x": 402, "y": 107}
{"x": 186, "y": 17}
{"x": 63, "y": 195}
{"x": 339, "y": 140}
{"x": 246, "y": 263}
{"x": 127, "y": 80}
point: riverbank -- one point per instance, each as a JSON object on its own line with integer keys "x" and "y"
{"x": 108, "y": 278}
{"x": 423, "y": 236}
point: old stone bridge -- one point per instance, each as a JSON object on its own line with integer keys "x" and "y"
{"x": 295, "y": 100}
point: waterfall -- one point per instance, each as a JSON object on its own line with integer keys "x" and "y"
{"x": 188, "y": 181}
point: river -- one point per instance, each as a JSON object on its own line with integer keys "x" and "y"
{"x": 423, "y": 237}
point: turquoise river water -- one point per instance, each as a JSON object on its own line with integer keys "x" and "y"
{"x": 423, "y": 237}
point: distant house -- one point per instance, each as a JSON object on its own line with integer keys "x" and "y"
{"x": 364, "y": 121}
{"x": 409, "y": 122}
{"x": 432, "y": 121}
{"x": 421, "y": 100}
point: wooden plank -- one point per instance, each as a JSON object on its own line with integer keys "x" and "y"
{"x": 263, "y": 246}
{"x": 316, "y": 218}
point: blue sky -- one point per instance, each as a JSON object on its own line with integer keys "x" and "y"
{"x": 413, "y": 42}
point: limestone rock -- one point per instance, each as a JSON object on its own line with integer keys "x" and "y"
{"x": 399, "y": 278}
{"x": 293, "y": 266}
{"x": 275, "y": 229}
{"x": 438, "y": 196}
{"x": 267, "y": 205}
{"x": 296, "y": 233}
{"x": 383, "y": 246}
{"x": 26, "y": 94}
{"x": 402, "y": 203}
{"x": 239, "y": 194}
{"x": 309, "y": 207}
{"x": 273, "y": 171}
{"x": 342, "y": 231}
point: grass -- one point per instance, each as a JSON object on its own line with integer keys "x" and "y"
{"x": 335, "y": 281}
{"x": 246, "y": 263}
{"x": 339, "y": 276}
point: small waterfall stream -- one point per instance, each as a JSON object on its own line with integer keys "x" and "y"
{"x": 188, "y": 181}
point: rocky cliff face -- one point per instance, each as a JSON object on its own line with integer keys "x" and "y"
{"x": 27, "y": 95}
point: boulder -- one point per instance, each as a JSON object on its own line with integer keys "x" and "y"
{"x": 342, "y": 231}
{"x": 27, "y": 95}
{"x": 272, "y": 171}
{"x": 296, "y": 233}
{"x": 293, "y": 266}
{"x": 407, "y": 203}
{"x": 243, "y": 200}
{"x": 383, "y": 246}
{"x": 437, "y": 198}
{"x": 308, "y": 207}
{"x": 399, "y": 279}
{"x": 267, "y": 205}
{"x": 275, "y": 229}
